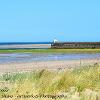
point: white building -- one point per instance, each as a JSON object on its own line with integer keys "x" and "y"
{"x": 55, "y": 41}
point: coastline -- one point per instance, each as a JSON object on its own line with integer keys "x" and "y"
{"x": 51, "y": 65}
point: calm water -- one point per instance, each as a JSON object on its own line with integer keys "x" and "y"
{"x": 28, "y": 57}
{"x": 17, "y": 43}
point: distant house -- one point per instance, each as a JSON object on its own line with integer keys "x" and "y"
{"x": 76, "y": 45}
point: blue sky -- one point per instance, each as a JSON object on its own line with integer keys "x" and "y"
{"x": 44, "y": 20}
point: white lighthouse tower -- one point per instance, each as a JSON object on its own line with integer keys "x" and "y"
{"x": 55, "y": 41}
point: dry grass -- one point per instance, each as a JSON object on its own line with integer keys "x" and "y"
{"x": 76, "y": 84}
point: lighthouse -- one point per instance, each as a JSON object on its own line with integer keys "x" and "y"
{"x": 55, "y": 41}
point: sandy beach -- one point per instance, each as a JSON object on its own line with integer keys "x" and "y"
{"x": 22, "y": 46}
{"x": 53, "y": 65}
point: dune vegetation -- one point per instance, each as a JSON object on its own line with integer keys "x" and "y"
{"x": 62, "y": 84}
{"x": 50, "y": 50}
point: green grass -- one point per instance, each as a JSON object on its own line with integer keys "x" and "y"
{"x": 52, "y": 50}
{"x": 77, "y": 84}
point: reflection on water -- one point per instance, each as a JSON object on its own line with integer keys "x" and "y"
{"x": 28, "y": 57}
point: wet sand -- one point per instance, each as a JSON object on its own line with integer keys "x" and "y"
{"x": 52, "y": 65}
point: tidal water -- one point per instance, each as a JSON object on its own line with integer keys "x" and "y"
{"x": 29, "y": 57}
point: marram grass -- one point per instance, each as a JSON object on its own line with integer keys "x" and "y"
{"x": 50, "y": 50}
{"x": 75, "y": 84}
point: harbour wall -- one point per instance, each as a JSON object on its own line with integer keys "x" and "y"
{"x": 76, "y": 45}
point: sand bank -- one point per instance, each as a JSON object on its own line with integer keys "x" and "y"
{"x": 29, "y": 66}
{"x": 27, "y": 46}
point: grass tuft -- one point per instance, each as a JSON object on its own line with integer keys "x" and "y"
{"x": 77, "y": 84}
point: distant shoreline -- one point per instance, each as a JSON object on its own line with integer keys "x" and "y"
{"x": 24, "y": 46}
{"x": 53, "y": 45}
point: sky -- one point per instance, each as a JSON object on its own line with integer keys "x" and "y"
{"x": 45, "y": 20}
